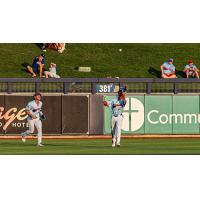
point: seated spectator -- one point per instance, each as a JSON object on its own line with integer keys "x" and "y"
{"x": 191, "y": 70}
{"x": 168, "y": 69}
{"x": 52, "y": 72}
{"x": 59, "y": 47}
{"x": 37, "y": 66}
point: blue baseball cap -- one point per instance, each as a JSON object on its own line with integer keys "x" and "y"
{"x": 170, "y": 60}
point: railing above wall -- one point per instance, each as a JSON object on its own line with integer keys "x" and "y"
{"x": 92, "y": 85}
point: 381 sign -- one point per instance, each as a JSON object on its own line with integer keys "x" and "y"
{"x": 105, "y": 88}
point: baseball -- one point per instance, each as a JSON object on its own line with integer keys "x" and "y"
{"x": 120, "y": 50}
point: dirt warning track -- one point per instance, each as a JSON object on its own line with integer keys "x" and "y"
{"x": 102, "y": 136}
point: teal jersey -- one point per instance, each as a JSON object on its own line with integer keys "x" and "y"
{"x": 192, "y": 68}
{"x": 168, "y": 68}
{"x": 117, "y": 110}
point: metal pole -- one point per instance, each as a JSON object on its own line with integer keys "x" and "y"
{"x": 9, "y": 88}
{"x": 148, "y": 87}
{"x": 175, "y": 88}
{"x": 65, "y": 87}
{"x": 93, "y": 88}
{"x": 37, "y": 87}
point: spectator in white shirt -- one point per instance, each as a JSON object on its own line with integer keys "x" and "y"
{"x": 52, "y": 72}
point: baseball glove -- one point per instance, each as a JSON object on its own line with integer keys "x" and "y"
{"x": 42, "y": 117}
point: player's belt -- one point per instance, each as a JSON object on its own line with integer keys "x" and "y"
{"x": 116, "y": 115}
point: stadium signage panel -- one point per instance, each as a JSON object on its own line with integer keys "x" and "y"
{"x": 158, "y": 114}
{"x": 173, "y": 118}
{"x": 10, "y": 115}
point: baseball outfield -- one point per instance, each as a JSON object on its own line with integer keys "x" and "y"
{"x": 129, "y": 146}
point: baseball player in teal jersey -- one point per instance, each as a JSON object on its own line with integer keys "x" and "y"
{"x": 168, "y": 69}
{"x": 191, "y": 70}
{"x": 117, "y": 105}
{"x": 33, "y": 109}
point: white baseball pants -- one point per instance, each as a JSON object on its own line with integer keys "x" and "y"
{"x": 116, "y": 128}
{"x": 32, "y": 124}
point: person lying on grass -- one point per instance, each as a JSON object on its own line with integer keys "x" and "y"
{"x": 168, "y": 69}
{"x": 59, "y": 47}
{"x": 191, "y": 70}
{"x": 37, "y": 65}
{"x": 52, "y": 71}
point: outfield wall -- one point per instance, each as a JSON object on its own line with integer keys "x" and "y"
{"x": 84, "y": 114}
{"x": 158, "y": 114}
{"x": 65, "y": 114}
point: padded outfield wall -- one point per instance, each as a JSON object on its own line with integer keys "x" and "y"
{"x": 158, "y": 114}
{"x": 83, "y": 114}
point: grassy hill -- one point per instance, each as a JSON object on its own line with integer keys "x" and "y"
{"x": 135, "y": 60}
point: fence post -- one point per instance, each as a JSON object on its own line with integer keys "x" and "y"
{"x": 148, "y": 88}
{"x": 93, "y": 88}
{"x": 175, "y": 88}
{"x": 65, "y": 87}
{"x": 9, "y": 88}
{"x": 120, "y": 85}
{"x": 37, "y": 87}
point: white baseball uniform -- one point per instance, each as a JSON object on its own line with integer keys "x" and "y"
{"x": 35, "y": 110}
{"x": 117, "y": 118}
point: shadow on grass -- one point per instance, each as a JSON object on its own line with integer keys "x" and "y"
{"x": 155, "y": 72}
{"x": 39, "y": 45}
{"x": 180, "y": 74}
{"x": 24, "y": 68}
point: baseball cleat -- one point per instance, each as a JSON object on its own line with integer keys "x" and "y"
{"x": 40, "y": 145}
{"x": 113, "y": 143}
{"x": 118, "y": 145}
{"x": 23, "y": 139}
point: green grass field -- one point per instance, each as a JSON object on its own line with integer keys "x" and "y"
{"x": 135, "y": 60}
{"x": 102, "y": 147}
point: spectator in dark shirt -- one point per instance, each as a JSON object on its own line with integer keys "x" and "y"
{"x": 37, "y": 66}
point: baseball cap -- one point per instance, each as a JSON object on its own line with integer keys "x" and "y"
{"x": 37, "y": 93}
{"x": 190, "y": 61}
{"x": 122, "y": 89}
{"x": 170, "y": 60}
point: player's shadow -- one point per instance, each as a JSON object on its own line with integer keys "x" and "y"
{"x": 155, "y": 72}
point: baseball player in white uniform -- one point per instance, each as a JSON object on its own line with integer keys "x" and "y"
{"x": 33, "y": 109}
{"x": 117, "y": 105}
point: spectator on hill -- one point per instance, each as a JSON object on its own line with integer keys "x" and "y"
{"x": 37, "y": 66}
{"x": 59, "y": 47}
{"x": 52, "y": 71}
{"x": 191, "y": 70}
{"x": 168, "y": 69}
